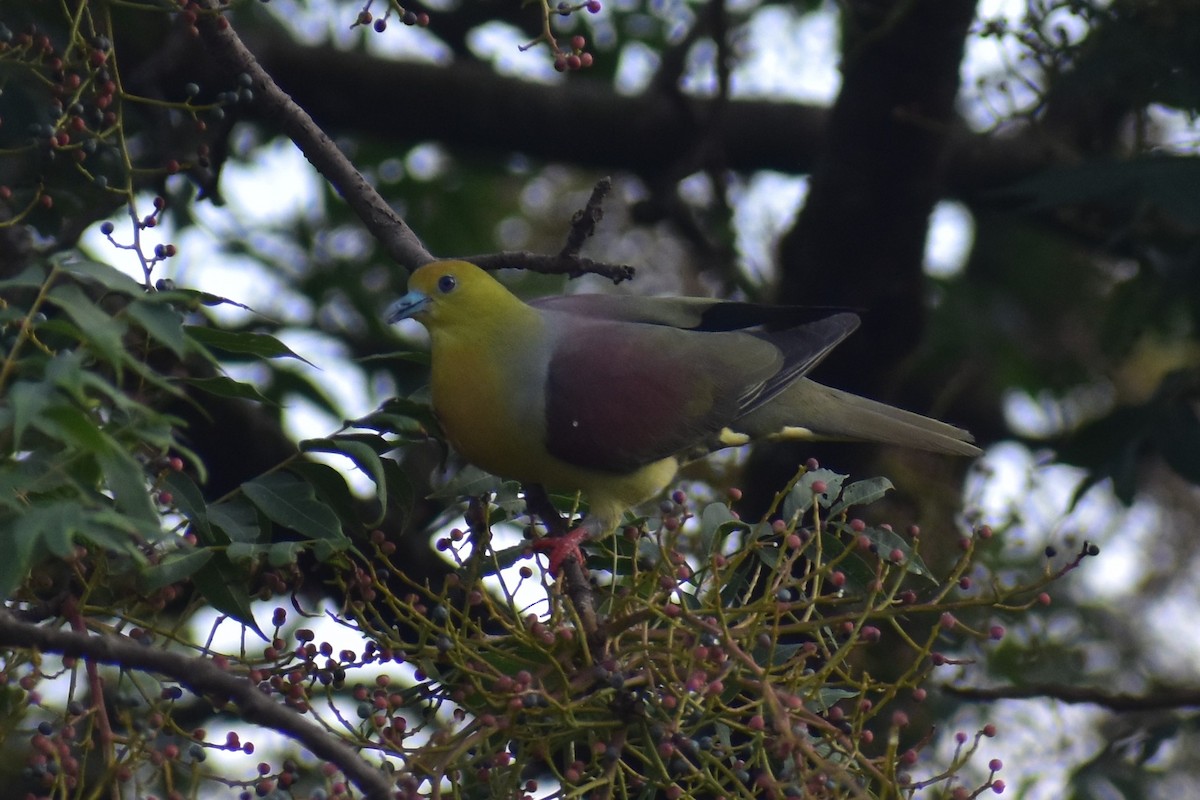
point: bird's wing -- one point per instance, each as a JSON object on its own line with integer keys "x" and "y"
{"x": 689, "y": 313}
{"x": 620, "y": 395}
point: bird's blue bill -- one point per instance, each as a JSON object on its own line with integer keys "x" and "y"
{"x": 408, "y": 305}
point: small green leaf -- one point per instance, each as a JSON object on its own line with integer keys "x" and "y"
{"x": 470, "y": 481}
{"x": 224, "y": 586}
{"x": 861, "y": 493}
{"x": 26, "y": 400}
{"x": 289, "y": 501}
{"x": 411, "y": 356}
{"x": 776, "y": 654}
{"x": 100, "y": 273}
{"x": 800, "y": 498}
{"x": 236, "y": 520}
{"x": 29, "y": 529}
{"x": 127, "y": 480}
{"x": 162, "y": 322}
{"x": 190, "y": 502}
{"x": 828, "y": 696}
{"x": 716, "y": 522}
{"x": 281, "y": 554}
{"x": 331, "y": 487}
{"x": 174, "y": 568}
{"x": 32, "y": 277}
{"x": 245, "y": 552}
{"x": 364, "y": 457}
{"x": 98, "y": 329}
{"x": 260, "y": 345}
{"x": 886, "y": 541}
{"x": 224, "y": 386}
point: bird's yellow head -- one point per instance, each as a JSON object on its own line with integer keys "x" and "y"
{"x": 444, "y": 294}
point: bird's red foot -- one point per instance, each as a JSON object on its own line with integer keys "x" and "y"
{"x": 559, "y": 548}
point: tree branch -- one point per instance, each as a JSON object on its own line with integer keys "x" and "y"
{"x": 203, "y": 677}
{"x": 1120, "y": 702}
{"x": 400, "y": 242}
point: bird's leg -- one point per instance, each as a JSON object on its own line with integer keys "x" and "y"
{"x": 559, "y": 544}
{"x": 559, "y": 548}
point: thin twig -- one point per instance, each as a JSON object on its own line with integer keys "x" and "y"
{"x": 583, "y": 224}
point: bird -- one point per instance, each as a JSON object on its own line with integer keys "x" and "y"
{"x": 609, "y": 395}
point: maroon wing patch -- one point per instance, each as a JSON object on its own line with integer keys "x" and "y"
{"x": 620, "y": 396}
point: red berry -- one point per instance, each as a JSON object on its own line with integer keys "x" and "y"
{"x": 577, "y": 44}
{"x": 574, "y": 62}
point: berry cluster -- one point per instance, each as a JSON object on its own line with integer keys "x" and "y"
{"x": 379, "y": 24}
{"x": 577, "y": 58}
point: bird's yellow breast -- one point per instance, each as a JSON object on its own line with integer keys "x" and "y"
{"x": 488, "y": 392}
{"x": 483, "y": 385}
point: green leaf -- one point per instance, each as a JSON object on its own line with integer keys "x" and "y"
{"x": 224, "y": 386}
{"x": 716, "y": 522}
{"x": 245, "y": 552}
{"x": 224, "y": 586}
{"x": 72, "y": 427}
{"x": 331, "y": 487}
{"x": 281, "y": 554}
{"x": 127, "y": 480}
{"x": 162, "y": 322}
{"x": 32, "y": 277}
{"x": 801, "y": 497}
{"x": 190, "y": 502}
{"x": 289, "y": 501}
{"x": 828, "y": 696}
{"x": 237, "y": 520}
{"x": 30, "y": 528}
{"x": 885, "y": 542}
{"x": 401, "y": 496}
{"x": 364, "y": 457}
{"x": 100, "y": 273}
{"x": 260, "y": 345}
{"x": 411, "y": 356}
{"x": 98, "y": 329}
{"x": 27, "y": 401}
{"x": 470, "y": 481}
{"x": 174, "y": 568}
{"x": 861, "y": 493}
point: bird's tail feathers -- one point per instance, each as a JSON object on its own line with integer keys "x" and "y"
{"x": 809, "y": 410}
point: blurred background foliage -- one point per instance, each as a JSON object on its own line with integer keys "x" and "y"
{"x": 805, "y": 152}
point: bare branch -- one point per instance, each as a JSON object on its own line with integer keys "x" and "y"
{"x": 204, "y": 677}
{"x": 1121, "y": 702}
{"x": 559, "y": 264}
{"x": 381, "y": 219}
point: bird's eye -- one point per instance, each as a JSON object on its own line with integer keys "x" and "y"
{"x": 446, "y": 284}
